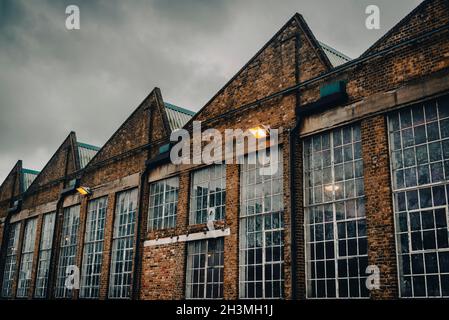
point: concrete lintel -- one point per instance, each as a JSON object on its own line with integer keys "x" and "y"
{"x": 28, "y": 213}
{"x": 115, "y": 186}
{"x": 375, "y": 104}
{"x": 188, "y": 237}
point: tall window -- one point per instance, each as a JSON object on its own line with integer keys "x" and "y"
{"x": 67, "y": 250}
{"x": 208, "y": 192}
{"x": 93, "y": 248}
{"x": 261, "y": 231}
{"x": 11, "y": 260}
{"x": 43, "y": 265}
{"x": 163, "y": 204}
{"x": 205, "y": 263}
{"x": 26, "y": 262}
{"x": 419, "y": 146}
{"x": 123, "y": 244}
{"x": 336, "y": 242}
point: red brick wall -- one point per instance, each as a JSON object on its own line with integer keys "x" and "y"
{"x": 271, "y": 70}
{"x": 406, "y": 65}
{"x": 378, "y": 205}
{"x": 429, "y": 15}
{"x": 164, "y": 262}
{"x": 279, "y": 65}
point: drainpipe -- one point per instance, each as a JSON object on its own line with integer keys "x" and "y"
{"x": 294, "y": 250}
{"x": 54, "y": 254}
{"x": 137, "y": 256}
{"x": 149, "y": 165}
{"x": 292, "y": 139}
{"x": 139, "y": 238}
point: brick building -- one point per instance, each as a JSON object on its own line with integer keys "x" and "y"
{"x": 363, "y": 180}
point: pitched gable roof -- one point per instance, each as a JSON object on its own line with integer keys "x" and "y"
{"x": 10, "y": 187}
{"x": 64, "y": 160}
{"x": 427, "y": 16}
{"x": 316, "y": 63}
{"x": 126, "y": 137}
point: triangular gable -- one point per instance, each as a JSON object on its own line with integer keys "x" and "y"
{"x": 276, "y": 66}
{"x": 63, "y": 162}
{"x": 135, "y": 130}
{"x": 428, "y": 16}
{"x": 11, "y": 186}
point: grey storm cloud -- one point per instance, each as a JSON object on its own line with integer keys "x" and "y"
{"x": 53, "y": 80}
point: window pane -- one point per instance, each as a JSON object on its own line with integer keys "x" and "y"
{"x": 338, "y": 259}
{"x": 10, "y": 261}
{"x": 43, "y": 265}
{"x": 163, "y": 204}
{"x": 26, "y": 262}
{"x": 261, "y": 245}
{"x": 67, "y": 250}
{"x": 421, "y": 211}
{"x": 205, "y": 264}
{"x": 208, "y": 194}
{"x": 123, "y": 245}
{"x": 93, "y": 248}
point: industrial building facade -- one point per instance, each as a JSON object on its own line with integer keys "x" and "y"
{"x": 362, "y": 185}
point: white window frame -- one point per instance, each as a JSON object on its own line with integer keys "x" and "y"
{"x": 191, "y": 271}
{"x": 402, "y": 190}
{"x": 168, "y": 208}
{"x": 93, "y": 248}
{"x": 356, "y": 199}
{"x": 123, "y": 245}
{"x": 45, "y": 249}
{"x": 67, "y": 249}
{"x": 26, "y": 260}
{"x": 204, "y": 176}
{"x": 10, "y": 270}
{"x": 248, "y": 222}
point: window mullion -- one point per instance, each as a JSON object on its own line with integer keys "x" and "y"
{"x": 163, "y": 203}
{"x": 205, "y": 267}
{"x": 334, "y": 215}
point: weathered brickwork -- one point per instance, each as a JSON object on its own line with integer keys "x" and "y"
{"x": 426, "y": 17}
{"x": 274, "y": 68}
{"x": 269, "y": 90}
{"x": 379, "y": 207}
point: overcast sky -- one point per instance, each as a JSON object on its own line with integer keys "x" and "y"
{"x": 53, "y": 80}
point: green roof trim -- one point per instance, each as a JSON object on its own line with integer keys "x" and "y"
{"x": 179, "y": 109}
{"x": 30, "y": 171}
{"x": 86, "y": 152}
{"x": 88, "y": 146}
{"x": 27, "y": 178}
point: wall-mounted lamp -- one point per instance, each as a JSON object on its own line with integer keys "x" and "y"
{"x": 260, "y": 131}
{"x": 84, "y": 191}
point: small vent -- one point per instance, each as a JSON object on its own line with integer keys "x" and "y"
{"x": 333, "y": 87}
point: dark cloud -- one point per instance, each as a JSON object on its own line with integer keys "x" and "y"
{"x": 53, "y": 80}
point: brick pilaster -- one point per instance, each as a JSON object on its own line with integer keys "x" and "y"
{"x": 231, "y": 242}
{"x": 379, "y": 207}
{"x": 107, "y": 246}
